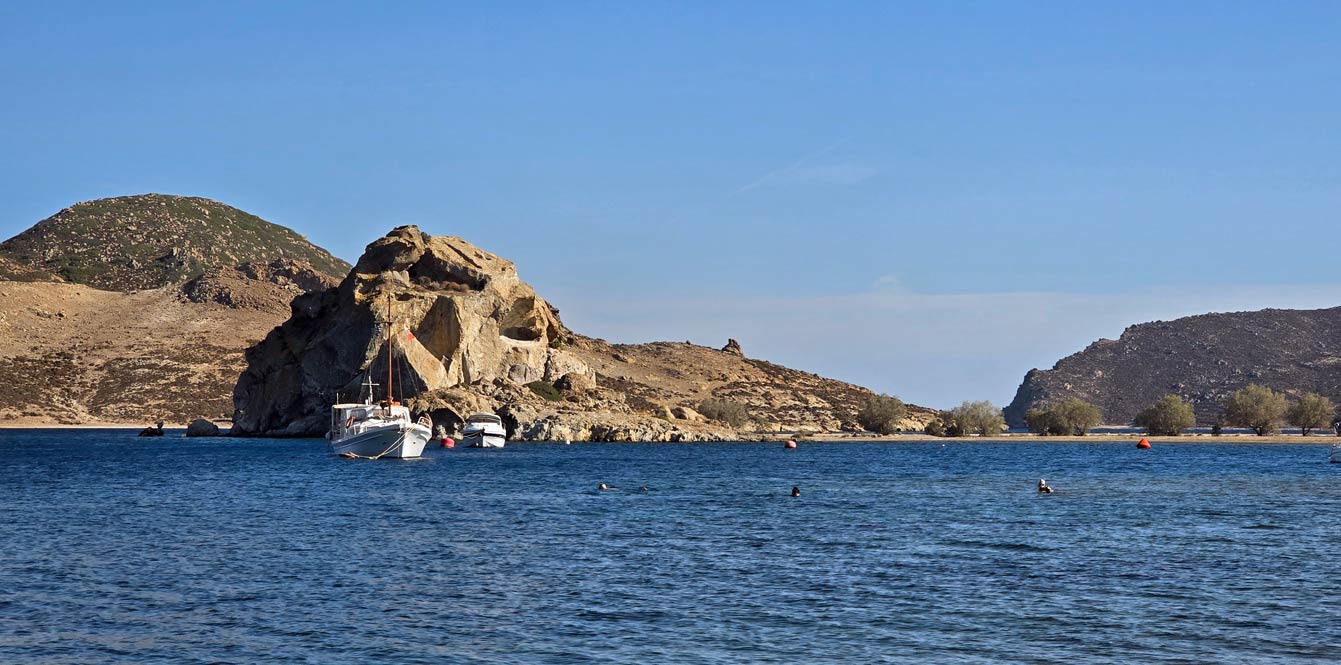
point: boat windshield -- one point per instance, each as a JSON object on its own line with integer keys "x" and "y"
{"x": 485, "y": 418}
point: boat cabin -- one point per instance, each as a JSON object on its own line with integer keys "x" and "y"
{"x": 345, "y": 416}
{"x": 485, "y": 419}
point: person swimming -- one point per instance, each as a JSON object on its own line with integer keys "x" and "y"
{"x": 606, "y": 488}
{"x": 1043, "y": 487}
{"x": 796, "y": 491}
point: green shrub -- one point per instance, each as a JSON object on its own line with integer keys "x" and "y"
{"x": 982, "y": 418}
{"x": 1167, "y": 417}
{"x": 935, "y": 428}
{"x": 1310, "y": 412}
{"x": 1070, "y": 418}
{"x": 545, "y": 390}
{"x": 881, "y": 414}
{"x": 726, "y": 411}
{"x": 1256, "y": 407}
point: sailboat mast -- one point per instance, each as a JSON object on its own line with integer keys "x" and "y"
{"x": 390, "y": 340}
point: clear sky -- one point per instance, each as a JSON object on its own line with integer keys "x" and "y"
{"x": 927, "y": 199}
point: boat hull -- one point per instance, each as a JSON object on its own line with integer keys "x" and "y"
{"x": 387, "y": 442}
{"x": 1335, "y": 455}
{"x": 483, "y": 440}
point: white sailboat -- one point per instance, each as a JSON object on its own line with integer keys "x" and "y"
{"x": 378, "y": 430}
{"x": 484, "y": 430}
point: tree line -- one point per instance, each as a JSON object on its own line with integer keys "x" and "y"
{"x": 1256, "y": 407}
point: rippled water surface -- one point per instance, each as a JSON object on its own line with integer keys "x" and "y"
{"x": 114, "y": 548}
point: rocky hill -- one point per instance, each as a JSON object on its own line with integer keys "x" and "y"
{"x": 151, "y": 241}
{"x": 1201, "y": 358}
{"x": 472, "y": 336}
{"x": 74, "y": 354}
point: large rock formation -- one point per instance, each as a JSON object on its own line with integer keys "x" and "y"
{"x": 472, "y": 337}
{"x": 458, "y": 314}
{"x": 1200, "y": 358}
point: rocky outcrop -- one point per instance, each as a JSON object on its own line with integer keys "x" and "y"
{"x": 257, "y": 285}
{"x": 202, "y": 427}
{"x": 576, "y": 382}
{"x": 733, "y": 347}
{"x": 459, "y": 316}
{"x": 1199, "y": 358}
{"x": 471, "y": 337}
{"x": 686, "y": 413}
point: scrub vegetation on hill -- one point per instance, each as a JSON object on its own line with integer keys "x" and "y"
{"x": 150, "y": 241}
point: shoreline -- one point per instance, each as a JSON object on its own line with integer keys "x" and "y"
{"x": 166, "y": 426}
{"x": 837, "y": 437}
{"x": 1088, "y": 438}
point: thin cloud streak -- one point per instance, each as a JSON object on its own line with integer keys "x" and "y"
{"x": 790, "y": 168}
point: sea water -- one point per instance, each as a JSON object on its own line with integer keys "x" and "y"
{"x": 120, "y": 549}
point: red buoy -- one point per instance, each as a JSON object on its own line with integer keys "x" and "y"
{"x": 447, "y": 442}
{"x": 789, "y": 445}
{"x": 1143, "y": 444}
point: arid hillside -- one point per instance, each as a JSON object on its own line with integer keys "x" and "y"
{"x": 128, "y": 310}
{"x": 1200, "y": 358}
{"x": 75, "y": 355}
{"x": 663, "y": 375}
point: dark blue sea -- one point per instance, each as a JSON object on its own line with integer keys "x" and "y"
{"x": 119, "y": 549}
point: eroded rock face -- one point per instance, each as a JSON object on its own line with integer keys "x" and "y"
{"x": 459, "y": 315}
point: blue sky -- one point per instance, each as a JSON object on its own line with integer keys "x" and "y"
{"x": 927, "y": 199}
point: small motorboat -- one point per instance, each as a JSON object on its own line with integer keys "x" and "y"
{"x": 484, "y": 430}
{"x": 1335, "y": 456}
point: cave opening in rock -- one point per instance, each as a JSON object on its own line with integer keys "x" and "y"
{"x": 521, "y": 322}
{"x": 445, "y": 419}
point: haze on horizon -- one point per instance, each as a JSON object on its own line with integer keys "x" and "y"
{"x": 927, "y": 200}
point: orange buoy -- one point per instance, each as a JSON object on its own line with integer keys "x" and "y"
{"x": 447, "y": 442}
{"x": 1143, "y": 444}
{"x": 789, "y": 445}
